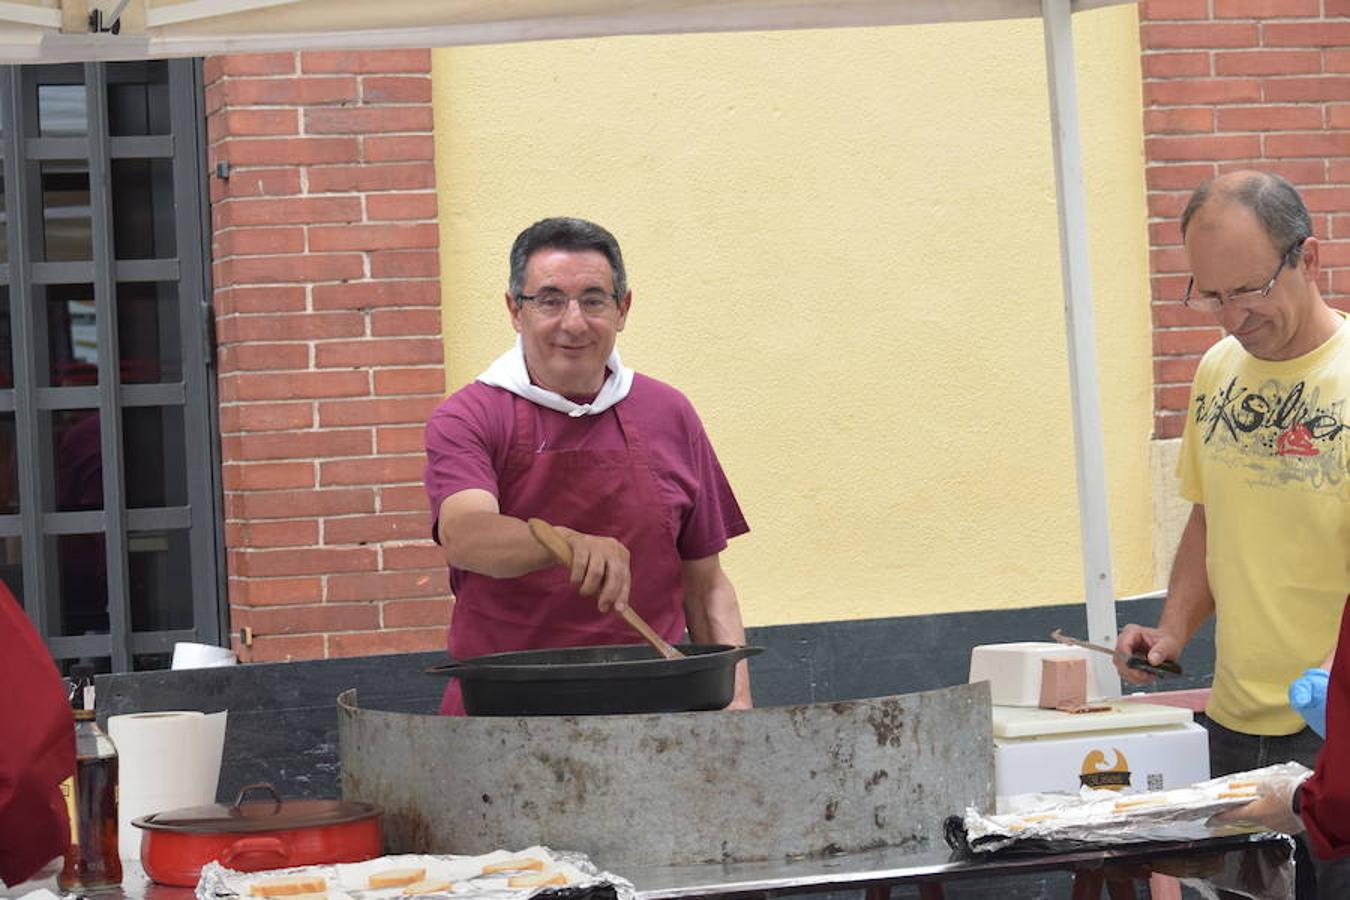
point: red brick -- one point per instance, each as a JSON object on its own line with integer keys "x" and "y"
{"x": 378, "y": 470}
{"x": 1305, "y": 34}
{"x": 284, "y": 327}
{"x": 396, "y": 89}
{"x": 310, "y": 561}
{"x": 362, "y": 62}
{"x": 1175, "y": 369}
{"x": 1168, "y": 288}
{"x": 265, "y": 416}
{"x": 321, "y": 618}
{"x": 1165, "y": 233}
{"x": 387, "y": 177}
{"x": 1337, "y": 60}
{"x": 368, "y": 294}
{"x": 399, "y": 322}
{"x": 1176, "y": 65}
{"x": 1336, "y": 8}
{"x": 275, "y": 591}
{"x": 253, "y": 123}
{"x": 262, "y": 535}
{"x": 1268, "y": 118}
{"x": 263, "y": 357}
{"x": 374, "y": 529}
{"x": 1298, "y": 171}
{"x": 1168, "y": 425}
{"x": 1166, "y": 36}
{"x": 1150, "y": 10}
{"x": 1204, "y": 148}
{"x": 1165, "y": 205}
{"x": 1340, "y": 282}
{"x": 405, "y": 439}
{"x": 368, "y": 587}
{"x": 1178, "y": 120}
{"x": 284, "y": 648}
{"x": 259, "y": 299}
{"x": 1322, "y": 87}
{"x": 295, "y": 386}
{"x": 370, "y": 353}
{"x": 254, "y": 64}
{"x": 1201, "y": 91}
{"x": 289, "y": 91}
{"x": 1313, "y": 144}
{"x": 1173, "y": 176}
{"x": 411, "y": 613}
{"x": 1266, "y": 9}
{"x": 1185, "y": 341}
{"x": 376, "y": 411}
{"x": 422, "y": 555}
{"x": 298, "y": 444}
{"x": 1338, "y": 115}
{"x": 392, "y": 382}
{"x": 260, "y": 182}
{"x": 288, "y": 211}
{"x": 1168, "y": 259}
{"x": 405, "y": 264}
{"x": 289, "y": 504}
{"x": 1173, "y": 398}
{"x": 290, "y": 269}
{"x": 1339, "y": 227}
{"x": 405, "y": 498}
{"x": 381, "y": 207}
{"x": 1338, "y": 171}
{"x": 399, "y": 148}
{"x": 366, "y": 119}
{"x": 1334, "y": 254}
{"x": 401, "y": 640}
{"x": 258, "y": 241}
{"x": 1268, "y": 62}
{"x": 1170, "y": 312}
{"x": 373, "y": 237}
{"x": 268, "y": 477}
{"x": 294, "y": 151}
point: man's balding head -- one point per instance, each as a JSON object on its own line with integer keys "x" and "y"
{"x": 1274, "y": 202}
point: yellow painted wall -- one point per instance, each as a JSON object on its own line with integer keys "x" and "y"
{"x": 843, "y": 248}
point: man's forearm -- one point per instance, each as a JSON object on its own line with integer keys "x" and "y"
{"x": 1189, "y": 601}
{"x": 492, "y": 544}
{"x": 713, "y": 616}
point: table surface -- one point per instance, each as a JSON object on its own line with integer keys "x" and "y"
{"x": 888, "y": 865}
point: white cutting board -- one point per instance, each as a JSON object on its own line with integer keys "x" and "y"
{"x": 1021, "y": 722}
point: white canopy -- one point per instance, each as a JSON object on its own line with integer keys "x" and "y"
{"x": 34, "y": 31}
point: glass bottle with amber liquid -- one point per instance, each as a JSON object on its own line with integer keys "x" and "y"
{"x": 92, "y": 862}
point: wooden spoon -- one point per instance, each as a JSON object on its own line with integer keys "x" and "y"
{"x": 547, "y": 535}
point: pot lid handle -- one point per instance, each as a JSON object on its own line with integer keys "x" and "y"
{"x": 261, "y": 786}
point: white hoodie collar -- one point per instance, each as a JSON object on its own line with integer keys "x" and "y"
{"x": 508, "y": 371}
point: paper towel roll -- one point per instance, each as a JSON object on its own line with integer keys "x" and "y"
{"x": 166, "y": 760}
{"x": 189, "y": 655}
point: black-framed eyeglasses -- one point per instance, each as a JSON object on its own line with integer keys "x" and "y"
{"x": 593, "y": 304}
{"x": 1245, "y": 297}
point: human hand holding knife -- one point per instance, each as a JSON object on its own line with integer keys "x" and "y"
{"x": 1131, "y": 660}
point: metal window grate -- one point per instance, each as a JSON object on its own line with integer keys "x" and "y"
{"x": 109, "y": 464}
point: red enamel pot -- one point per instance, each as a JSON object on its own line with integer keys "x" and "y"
{"x": 250, "y": 836}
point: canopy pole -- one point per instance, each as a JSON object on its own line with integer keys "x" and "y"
{"x": 1076, "y": 275}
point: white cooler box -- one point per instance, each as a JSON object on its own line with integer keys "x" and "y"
{"x": 1132, "y": 748}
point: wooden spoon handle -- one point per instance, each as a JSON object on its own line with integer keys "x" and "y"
{"x": 556, "y": 544}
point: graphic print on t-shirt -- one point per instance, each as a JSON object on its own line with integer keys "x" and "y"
{"x": 1283, "y": 435}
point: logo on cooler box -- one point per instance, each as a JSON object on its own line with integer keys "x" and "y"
{"x": 1095, "y": 773}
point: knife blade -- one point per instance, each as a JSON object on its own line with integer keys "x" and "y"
{"x": 1164, "y": 669}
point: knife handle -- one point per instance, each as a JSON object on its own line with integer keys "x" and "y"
{"x": 1163, "y": 669}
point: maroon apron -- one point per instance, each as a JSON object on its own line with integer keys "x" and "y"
{"x": 605, "y": 492}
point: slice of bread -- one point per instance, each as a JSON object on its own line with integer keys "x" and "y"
{"x": 519, "y": 864}
{"x": 427, "y": 886}
{"x": 396, "y": 877}
{"x": 289, "y": 886}
{"x": 537, "y": 879}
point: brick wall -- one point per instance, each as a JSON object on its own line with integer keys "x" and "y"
{"x": 327, "y": 295}
{"x": 1232, "y": 84}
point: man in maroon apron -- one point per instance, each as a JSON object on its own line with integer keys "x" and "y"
{"x": 559, "y": 429}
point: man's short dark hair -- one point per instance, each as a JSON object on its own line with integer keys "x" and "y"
{"x": 562, "y": 233}
{"x": 1273, "y": 200}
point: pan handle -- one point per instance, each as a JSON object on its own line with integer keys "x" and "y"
{"x": 741, "y": 653}
{"x": 449, "y": 668}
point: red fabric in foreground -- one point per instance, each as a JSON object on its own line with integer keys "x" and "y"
{"x": 1326, "y": 795}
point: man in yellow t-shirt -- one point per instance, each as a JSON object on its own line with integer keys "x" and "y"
{"x": 1265, "y": 461}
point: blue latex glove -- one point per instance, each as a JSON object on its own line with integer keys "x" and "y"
{"x": 1308, "y": 697}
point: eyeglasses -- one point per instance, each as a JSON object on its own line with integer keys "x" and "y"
{"x": 1244, "y": 298}
{"x": 593, "y": 304}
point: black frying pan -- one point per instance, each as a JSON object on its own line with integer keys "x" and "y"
{"x": 590, "y": 681}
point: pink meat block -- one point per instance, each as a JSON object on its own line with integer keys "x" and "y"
{"x": 1063, "y": 682}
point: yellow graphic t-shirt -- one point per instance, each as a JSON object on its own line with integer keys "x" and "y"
{"x": 1266, "y": 450}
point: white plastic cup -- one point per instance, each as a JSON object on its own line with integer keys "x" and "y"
{"x": 187, "y": 655}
